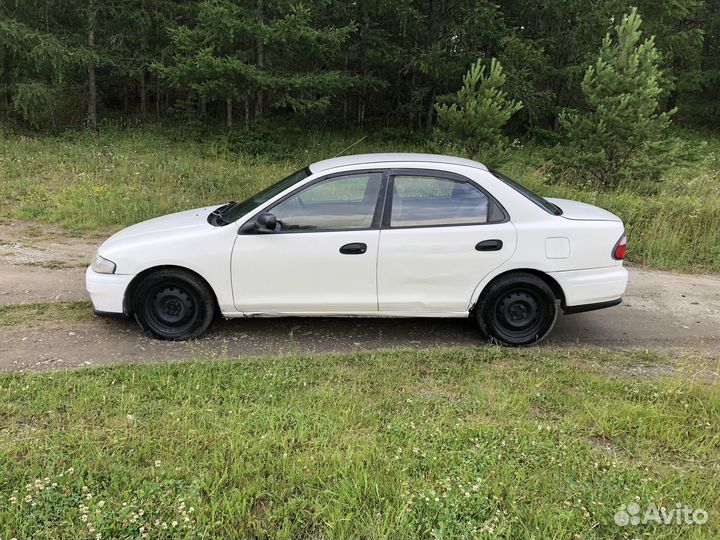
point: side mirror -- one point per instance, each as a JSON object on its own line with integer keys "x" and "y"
{"x": 265, "y": 223}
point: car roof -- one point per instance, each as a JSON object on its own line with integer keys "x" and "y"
{"x": 373, "y": 159}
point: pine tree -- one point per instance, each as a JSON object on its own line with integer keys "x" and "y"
{"x": 621, "y": 135}
{"x": 481, "y": 109}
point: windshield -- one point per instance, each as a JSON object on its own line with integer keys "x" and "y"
{"x": 534, "y": 197}
{"x": 235, "y": 211}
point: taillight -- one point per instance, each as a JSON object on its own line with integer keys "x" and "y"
{"x": 620, "y": 249}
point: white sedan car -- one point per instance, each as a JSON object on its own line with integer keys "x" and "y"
{"x": 376, "y": 235}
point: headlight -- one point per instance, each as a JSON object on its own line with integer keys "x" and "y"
{"x": 102, "y": 266}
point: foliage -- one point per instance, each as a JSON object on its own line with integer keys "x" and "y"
{"x": 33, "y": 101}
{"x": 480, "y": 111}
{"x": 348, "y": 64}
{"x": 97, "y": 184}
{"x": 622, "y": 135}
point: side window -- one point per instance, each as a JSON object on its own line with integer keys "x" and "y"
{"x": 338, "y": 203}
{"x": 429, "y": 200}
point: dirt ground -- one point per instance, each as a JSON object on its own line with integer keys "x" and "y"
{"x": 661, "y": 311}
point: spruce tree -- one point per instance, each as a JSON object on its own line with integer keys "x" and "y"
{"x": 474, "y": 122}
{"x": 621, "y": 135}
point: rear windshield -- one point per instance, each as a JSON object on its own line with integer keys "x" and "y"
{"x": 534, "y": 197}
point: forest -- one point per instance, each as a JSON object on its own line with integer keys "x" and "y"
{"x": 330, "y": 63}
{"x": 112, "y": 112}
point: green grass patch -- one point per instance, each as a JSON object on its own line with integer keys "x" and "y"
{"x": 120, "y": 177}
{"x": 474, "y": 442}
{"x": 28, "y": 314}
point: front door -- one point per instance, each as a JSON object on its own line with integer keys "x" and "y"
{"x": 441, "y": 236}
{"x": 322, "y": 258}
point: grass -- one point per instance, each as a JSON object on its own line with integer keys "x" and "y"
{"x": 31, "y": 314}
{"x": 102, "y": 183}
{"x": 474, "y": 442}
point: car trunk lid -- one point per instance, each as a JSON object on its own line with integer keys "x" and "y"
{"x": 581, "y": 211}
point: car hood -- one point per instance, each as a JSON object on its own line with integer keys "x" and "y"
{"x": 582, "y": 211}
{"x": 178, "y": 224}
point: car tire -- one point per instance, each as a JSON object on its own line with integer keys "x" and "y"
{"x": 174, "y": 304}
{"x": 518, "y": 310}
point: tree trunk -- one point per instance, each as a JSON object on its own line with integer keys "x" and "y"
{"x": 411, "y": 113}
{"x": 247, "y": 109}
{"x": 260, "y": 60}
{"x": 143, "y": 91}
{"x": 364, "y": 36}
{"x": 431, "y": 109}
{"x": 157, "y": 98}
{"x": 143, "y": 65}
{"x": 203, "y": 107}
{"x": 345, "y": 101}
{"x": 229, "y": 110}
{"x": 92, "y": 89}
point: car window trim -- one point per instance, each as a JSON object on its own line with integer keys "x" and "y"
{"x": 443, "y": 175}
{"x": 248, "y": 226}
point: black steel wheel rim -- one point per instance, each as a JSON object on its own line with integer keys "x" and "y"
{"x": 171, "y": 308}
{"x": 519, "y": 313}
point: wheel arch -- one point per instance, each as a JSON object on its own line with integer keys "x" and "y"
{"x": 133, "y": 285}
{"x": 551, "y": 282}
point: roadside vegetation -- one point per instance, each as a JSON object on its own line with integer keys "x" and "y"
{"x": 100, "y": 183}
{"x": 475, "y": 442}
{"x": 38, "y": 312}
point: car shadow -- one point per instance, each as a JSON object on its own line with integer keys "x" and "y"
{"x": 259, "y": 335}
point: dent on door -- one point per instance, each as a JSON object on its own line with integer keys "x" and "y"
{"x": 436, "y": 270}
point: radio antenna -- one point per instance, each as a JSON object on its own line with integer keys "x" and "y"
{"x": 349, "y": 147}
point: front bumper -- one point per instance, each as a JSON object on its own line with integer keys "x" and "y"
{"x": 593, "y": 286}
{"x": 107, "y": 291}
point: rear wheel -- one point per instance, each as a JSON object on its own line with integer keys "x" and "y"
{"x": 517, "y": 310}
{"x": 174, "y": 304}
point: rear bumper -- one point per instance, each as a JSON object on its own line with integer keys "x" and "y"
{"x": 596, "y": 286}
{"x": 107, "y": 292}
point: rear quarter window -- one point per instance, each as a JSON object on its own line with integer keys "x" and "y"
{"x": 534, "y": 197}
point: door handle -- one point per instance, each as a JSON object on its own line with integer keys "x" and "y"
{"x": 355, "y": 248}
{"x": 489, "y": 245}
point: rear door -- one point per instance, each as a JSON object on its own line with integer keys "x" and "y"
{"x": 441, "y": 235}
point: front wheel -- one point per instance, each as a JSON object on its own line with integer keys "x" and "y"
{"x": 174, "y": 304}
{"x": 517, "y": 310}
